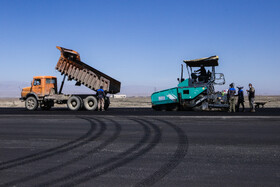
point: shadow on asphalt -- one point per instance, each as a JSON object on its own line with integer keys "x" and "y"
{"x": 138, "y": 112}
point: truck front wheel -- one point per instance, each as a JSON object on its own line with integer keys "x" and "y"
{"x": 74, "y": 103}
{"x": 31, "y": 103}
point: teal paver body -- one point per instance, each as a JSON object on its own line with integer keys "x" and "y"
{"x": 173, "y": 95}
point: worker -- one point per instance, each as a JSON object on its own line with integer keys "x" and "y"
{"x": 251, "y": 95}
{"x": 231, "y": 97}
{"x": 202, "y": 76}
{"x": 202, "y": 72}
{"x": 240, "y": 100}
{"x": 194, "y": 76}
{"x": 100, "y": 96}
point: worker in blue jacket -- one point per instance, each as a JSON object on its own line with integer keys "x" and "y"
{"x": 240, "y": 100}
{"x": 101, "y": 97}
{"x": 231, "y": 98}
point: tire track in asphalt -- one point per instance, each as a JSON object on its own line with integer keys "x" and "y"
{"x": 108, "y": 165}
{"x": 173, "y": 162}
{"x": 74, "y": 160}
{"x": 92, "y": 127}
{"x": 56, "y": 150}
{"x": 128, "y": 157}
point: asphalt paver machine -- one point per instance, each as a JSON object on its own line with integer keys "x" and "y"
{"x": 197, "y": 92}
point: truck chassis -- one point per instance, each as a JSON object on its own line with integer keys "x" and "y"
{"x": 74, "y": 101}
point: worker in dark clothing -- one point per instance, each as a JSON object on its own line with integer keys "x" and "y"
{"x": 202, "y": 74}
{"x": 100, "y": 96}
{"x": 231, "y": 97}
{"x": 251, "y": 95}
{"x": 194, "y": 77}
{"x": 240, "y": 100}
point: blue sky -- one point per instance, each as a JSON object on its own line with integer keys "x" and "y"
{"x": 142, "y": 42}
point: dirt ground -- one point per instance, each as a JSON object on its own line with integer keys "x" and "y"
{"x": 135, "y": 102}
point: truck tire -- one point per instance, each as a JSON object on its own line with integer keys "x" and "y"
{"x": 82, "y": 103}
{"x": 74, "y": 103}
{"x": 90, "y": 103}
{"x": 31, "y": 103}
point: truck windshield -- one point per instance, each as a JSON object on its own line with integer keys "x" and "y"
{"x": 37, "y": 82}
{"x": 50, "y": 81}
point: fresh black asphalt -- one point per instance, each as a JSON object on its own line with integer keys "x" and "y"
{"x": 139, "y": 147}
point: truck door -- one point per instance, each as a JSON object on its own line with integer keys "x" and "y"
{"x": 50, "y": 86}
{"x": 37, "y": 86}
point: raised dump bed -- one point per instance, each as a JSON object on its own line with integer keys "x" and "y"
{"x": 70, "y": 64}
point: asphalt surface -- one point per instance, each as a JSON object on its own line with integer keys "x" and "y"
{"x": 139, "y": 147}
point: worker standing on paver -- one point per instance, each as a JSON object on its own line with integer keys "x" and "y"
{"x": 240, "y": 100}
{"x": 231, "y": 98}
{"x": 251, "y": 95}
{"x": 100, "y": 97}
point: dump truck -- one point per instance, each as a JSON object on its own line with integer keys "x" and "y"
{"x": 44, "y": 93}
{"x": 196, "y": 92}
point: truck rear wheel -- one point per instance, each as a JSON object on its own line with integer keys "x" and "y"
{"x": 74, "y": 103}
{"x": 90, "y": 103}
{"x": 82, "y": 103}
{"x": 31, "y": 103}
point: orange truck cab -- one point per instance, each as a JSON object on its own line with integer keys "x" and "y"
{"x": 41, "y": 86}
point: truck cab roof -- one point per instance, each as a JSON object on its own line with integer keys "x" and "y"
{"x": 44, "y": 77}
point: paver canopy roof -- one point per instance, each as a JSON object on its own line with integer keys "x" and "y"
{"x": 209, "y": 61}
